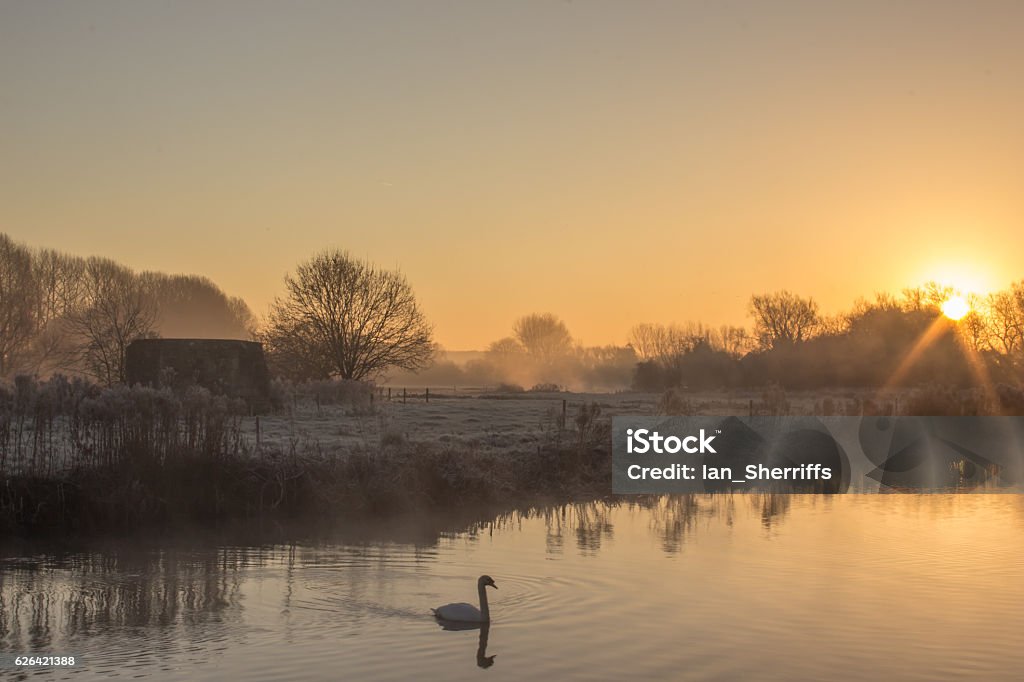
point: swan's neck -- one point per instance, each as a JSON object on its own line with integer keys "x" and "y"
{"x": 484, "y": 610}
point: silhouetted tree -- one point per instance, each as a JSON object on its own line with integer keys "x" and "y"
{"x": 645, "y": 339}
{"x": 928, "y": 297}
{"x": 18, "y": 297}
{"x": 504, "y": 349}
{"x": 734, "y": 341}
{"x": 194, "y": 307}
{"x": 544, "y": 336}
{"x": 59, "y": 280}
{"x": 783, "y": 318}
{"x": 1005, "y": 317}
{"x": 973, "y": 326}
{"x": 116, "y": 309}
{"x": 345, "y": 318}
{"x": 59, "y": 311}
{"x": 665, "y": 343}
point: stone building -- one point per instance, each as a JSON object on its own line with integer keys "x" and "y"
{"x": 224, "y": 366}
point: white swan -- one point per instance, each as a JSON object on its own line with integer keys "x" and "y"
{"x": 467, "y": 613}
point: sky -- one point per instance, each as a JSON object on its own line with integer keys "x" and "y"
{"x": 610, "y": 162}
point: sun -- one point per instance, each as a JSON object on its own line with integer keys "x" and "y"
{"x": 955, "y": 307}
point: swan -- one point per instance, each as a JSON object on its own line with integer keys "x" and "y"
{"x": 467, "y": 613}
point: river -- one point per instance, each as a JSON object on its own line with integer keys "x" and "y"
{"x": 752, "y": 587}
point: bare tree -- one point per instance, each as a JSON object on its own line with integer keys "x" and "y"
{"x": 504, "y": 349}
{"x": 18, "y": 295}
{"x": 973, "y": 328}
{"x": 643, "y": 338}
{"x": 242, "y": 315}
{"x": 930, "y": 296}
{"x": 1003, "y": 321}
{"x": 667, "y": 343}
{"x": 194, "y": 307}
{"x": 832, "y": 325}
{"x": 345, "y": 318}
{"x": 53, "y": 305}
{"x": 662, "y": 342}
{"x": 117, "y": 308}
{"x": 734, "y": 340}
{"x": 59, "y": 281}
{"x": 1005, "y": 318}
{"x": 783, "y": 318}
{"x": 544, "y": 336}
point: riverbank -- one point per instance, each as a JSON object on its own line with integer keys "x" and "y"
{"x": 397, "y": 476}
{"x": 79, "y": 458}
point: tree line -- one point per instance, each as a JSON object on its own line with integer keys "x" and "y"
{"x": 63, "y": 313}
{"x": 338, "y": 318}
{"x": 890, "y": 340}
{"x": 341, "y": 317}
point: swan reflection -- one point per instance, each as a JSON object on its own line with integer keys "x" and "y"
{"x": 482, "y": 659}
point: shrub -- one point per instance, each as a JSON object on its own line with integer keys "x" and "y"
{"x": 1011, "y": 400}
{"x": 773, "y": 401}
{"x": 932, "y": 400}
{"x": 75, "y": 456}
{"x": 674, "y": 403}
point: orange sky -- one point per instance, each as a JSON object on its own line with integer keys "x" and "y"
{"x": 609, "y": 162}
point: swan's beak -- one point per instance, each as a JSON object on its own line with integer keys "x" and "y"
{"x": 494, "y": 586}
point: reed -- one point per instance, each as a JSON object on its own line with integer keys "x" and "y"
{"x": 77, "y": 457}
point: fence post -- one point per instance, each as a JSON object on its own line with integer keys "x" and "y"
{"x": 389, "y": 394}
{"x": 428, "y": 396}
{"x": 403, "y": 396}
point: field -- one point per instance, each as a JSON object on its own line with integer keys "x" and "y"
{"x": 489, "y": 421}
{"x": 479, "y": 421}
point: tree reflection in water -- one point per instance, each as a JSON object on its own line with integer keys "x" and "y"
{"x": 773, "y": 507}
{"x": 49, "y": 601}
{"x": 672, "y": 518}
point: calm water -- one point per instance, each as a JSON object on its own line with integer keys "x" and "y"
{"x": 745, "y": 587}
